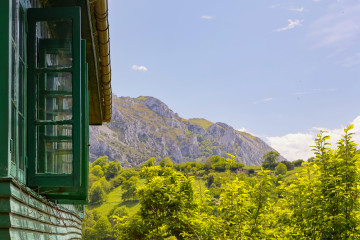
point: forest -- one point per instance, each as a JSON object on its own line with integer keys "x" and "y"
{"x": 223, "y": 199}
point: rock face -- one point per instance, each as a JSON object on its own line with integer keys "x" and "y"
{"x": 145, "y": 127}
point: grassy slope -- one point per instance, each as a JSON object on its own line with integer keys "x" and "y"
{"x": 292, "y": 174}
{"x": 205, "y": 124}
{"x": 114, "y": 199}
{"x": 289, "y": 174}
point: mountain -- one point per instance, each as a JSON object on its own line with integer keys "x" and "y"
{"x": 145, "y": 127}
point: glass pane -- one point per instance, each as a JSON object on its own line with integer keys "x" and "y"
{"x": 59, "y": 81}
{"x": 21, "y": 87}
{"x": 54, "y": 98}
{"x": 13, "y": 134}
{"x": 21, "y": 33}
{"x": 54, "y": 43}
{"x": 21, "y": 142}
{"x": 54, "y": 149}
{"x": 61, "y": 58}
{"x": 13, "y": 74}
{"x": 14, "y": 19}
{"x": 58, "y": 108}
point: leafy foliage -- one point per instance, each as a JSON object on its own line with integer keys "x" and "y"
{"x": 280, "y": 169}
{"x": 178, "y": 202}
{"x": 270, "y": 160}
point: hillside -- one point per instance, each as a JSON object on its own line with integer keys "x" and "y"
{"x": 145, "y": 127}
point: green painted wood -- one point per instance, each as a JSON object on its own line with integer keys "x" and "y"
{"x": 5, "y": 234}
{"x": 78, "y": 195}
{"x": 26, "y": 215}
{"x": 55, "y": 180}
{"x": 5, "y": 59}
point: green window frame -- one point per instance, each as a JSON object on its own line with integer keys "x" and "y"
{"x": 18, "y": 114}
{"x": 55, "y": 128}
{"x": 77, "y": 195}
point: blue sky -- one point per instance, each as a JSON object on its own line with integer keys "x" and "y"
{"x": 274, "y": 68}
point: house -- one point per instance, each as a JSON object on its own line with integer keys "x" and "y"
{"x": 55, "y": 80}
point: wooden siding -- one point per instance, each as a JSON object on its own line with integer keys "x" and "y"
{"x": 26, "y": 215}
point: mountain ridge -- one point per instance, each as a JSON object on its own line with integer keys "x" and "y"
{"x": 146, "y": 127}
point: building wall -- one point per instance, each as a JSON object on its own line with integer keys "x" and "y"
{"x": 25, "y": 215}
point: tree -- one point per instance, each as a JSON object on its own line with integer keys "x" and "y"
{"x": 289, "y": 165}
{"x": 88, "y": 223}
{"x": 298, "y": 163}
{"x": 117, "y": 181}
{"x": 311, "y": 159}
{"x": 112, "y": 170}
{"x": 166, "y": 162}
{"x": 121, "y": 211}
{"x": 207, "y": 164}
{"x": 101, "y": 161}
{"x": 129, "y": 188}
{"x": 106, "y": 186}
{"x": 96, "y": 193}
{"x": 97, "y": 171}
{"x": 167, "y": 203}
{"x": 103, "y": 228}
{"x": 118, "y": 212}
{"x": 244, "y": 208}
{"x": 270, "y": 160}
{"x": 323, "y": 201}
{"x": 280, "y": 169}
{"x": 149, "y": 163}
{"x": 210, "y": 179}
{"x": 128, "y": 173}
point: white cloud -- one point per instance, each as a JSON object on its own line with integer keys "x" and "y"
{"x": 297, "y": 145}
{"x": 263, "y": 100}
{"x": 275, "y": 6}
{"x": 293, "y": 146}
{"x": 291, "y": 25}
{"x": 297, "y": 9}
{"x": 206, "y": 17}
{"x": 139, "y": 68}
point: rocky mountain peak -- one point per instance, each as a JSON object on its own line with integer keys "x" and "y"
{"x": 145, "y": 127}
{"x": 157, "y": 106}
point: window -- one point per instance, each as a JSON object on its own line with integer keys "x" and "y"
{"x": 18, "y": 92}
{"x": 57, "y": 104}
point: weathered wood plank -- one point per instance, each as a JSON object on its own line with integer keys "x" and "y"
{"x": 26, "y": 215}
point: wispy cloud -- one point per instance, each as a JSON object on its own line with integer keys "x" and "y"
{"x": 350, "y": 61}
{"x": 207, "y": 17}
{"x": 314, "y": 91}
{"x": 139, "y": 68}
{"x": 291, "y": 25}
{"x": 297, "y": 145}
{"x": 338, "y": 28}
{"x": 263, "y": 100}
{"x": 275, "y": 6}
{"x": 297, "y": 9}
